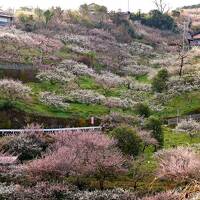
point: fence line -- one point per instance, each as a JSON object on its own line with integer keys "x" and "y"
{"x": 173, "y": 121}
{"x": 50, "y": 131}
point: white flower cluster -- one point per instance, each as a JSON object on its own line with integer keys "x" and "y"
{"x": 156, "y": 103}
{"x": 135, "y": 96}
{"x": 4, "y": 189}
{"x": 90, "y": 96}
{"x": 76, "y": 68}
{"x": 109, "y": 79}
{"x": 135, "y": 70}
{"x": 191, "y": 126}
{"x": 156, "y": 107}
{"x": 187, "y": 83}
{"x": 78, "y": 49}
{"x": 86, "y": 96}
{"x": 29, "y": 39}
{"x": 75, "y": 39}
{"x": 118, "y": 102}
{"x": 140, "y": 48}
{"x": 117, "y": 194}
{"x": 14, "y": 89}
{"x": 69, "y": 69}
{"x": 141, "y": 87}
{"x": 55, "y": 75}
{"x": 53, "y": 100}
{"x": 165, "y": 60}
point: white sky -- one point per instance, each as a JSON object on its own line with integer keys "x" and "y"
{"x": 144, "y": 5}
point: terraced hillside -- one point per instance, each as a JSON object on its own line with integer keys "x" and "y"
{"x": 131, "y": 72}
{"x": 92, "y": 74}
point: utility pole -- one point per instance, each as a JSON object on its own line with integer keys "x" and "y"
{"x": 128, "y": 5}
{"x": 184, "y": 32}
{"x": 182, "y": 50}
{"x": 177, "y": 117}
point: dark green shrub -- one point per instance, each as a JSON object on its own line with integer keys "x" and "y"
{"x": 159, "y": 20}
{"x": 156, "y": 19}
{"x": 114, "y": 120}
{"x": 28, "y": 145}
{"x": 159, "y": 83}
{"x": 127, "y": 140}
{"x": 125, "y": 30}
{"x": 27, "y": 22}
{"x": 155, "y": 125}
{"x": 6, "y": 105}
{"x": 143, "y": 110}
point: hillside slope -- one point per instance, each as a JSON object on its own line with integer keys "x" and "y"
{"x": 79, "y": 71}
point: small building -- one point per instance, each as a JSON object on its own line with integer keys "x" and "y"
{"x": 5, "y": 19}
{"x": 194, "y": 39}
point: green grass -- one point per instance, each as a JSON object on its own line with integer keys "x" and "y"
{"x": 46, "y": 86}
{"x": 143, "y": 79}
{"x": 88, "y": 110}
{"x": 196, "y": 59}
{"x": 86, "y": 82}
{"x": 185, "y": 104}
{"x": 74, "y": 110}
{"x": 113, "y": 92}
{"x": 64, "y": 53}
{"x": 174, "y": 139}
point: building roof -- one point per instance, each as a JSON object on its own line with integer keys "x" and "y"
{"x": 197, "y": 33}
{"x": 5, "y": 14}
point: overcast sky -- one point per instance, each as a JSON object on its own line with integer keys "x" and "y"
{"x": 144, "y": 5}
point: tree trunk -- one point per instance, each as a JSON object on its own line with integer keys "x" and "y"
{"x": 79, "y": 183}
{"x": 135, "y": 185}
{"x": 181, "y": 67}
{"x": 101, "y": 184}
{"x": 144, "y": 148}
{"x": 155, "y": 148}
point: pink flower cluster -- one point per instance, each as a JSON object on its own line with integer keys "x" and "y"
{"x": 79, "y": 154}
{"x": 179, "y": 164}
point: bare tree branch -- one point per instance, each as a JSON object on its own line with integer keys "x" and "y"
{"x": 161, "y": 6}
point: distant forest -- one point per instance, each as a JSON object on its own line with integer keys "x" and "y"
{"x": 192, "y": 6}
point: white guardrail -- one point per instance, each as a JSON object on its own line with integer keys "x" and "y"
{"x": 53, "y": 131}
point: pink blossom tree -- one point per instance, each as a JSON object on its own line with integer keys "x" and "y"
{"x": 80, "y": 154}
{"x": 178, "y": 164}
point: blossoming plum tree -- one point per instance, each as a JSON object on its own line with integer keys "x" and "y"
{"x": 80, "y": 154}
{"x": 13, "y": 90}
{"x": 179, "y": 164}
